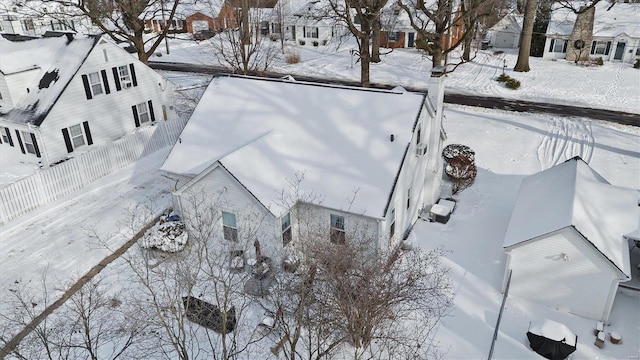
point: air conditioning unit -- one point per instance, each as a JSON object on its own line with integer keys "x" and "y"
{"x": 421, "y": 149}
{"x": 127, "y": 85}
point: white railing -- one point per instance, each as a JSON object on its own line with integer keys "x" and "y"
{"x": 49, "y": 185}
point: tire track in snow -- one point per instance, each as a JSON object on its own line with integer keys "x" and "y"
{"x": 565, "y": 138}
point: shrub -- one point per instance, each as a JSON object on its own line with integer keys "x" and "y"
{"x": 636, "y": 64}
{"x": 462, "y": 171}
{"x": 599, "y": 61}
{"x": 315, "y": 43}
{"x": 292, "y": 58}
{"x": 512, "y": 84}
{"x": 498, "y": 52}
{"x": 503, "y": 78}
{"x": 302, "y": 42}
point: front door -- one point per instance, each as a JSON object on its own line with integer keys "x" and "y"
{"x": 411, "y": 41}
{"x": 619, "y": 51}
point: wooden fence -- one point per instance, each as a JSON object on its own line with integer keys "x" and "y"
{"x": 49, "y": 185}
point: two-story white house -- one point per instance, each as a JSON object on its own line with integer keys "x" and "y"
{"x": 64, "y": 95}
{"x": 355, "y": 162}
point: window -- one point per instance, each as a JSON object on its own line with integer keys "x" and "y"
{"x": 393, "y": 35}
{"x": 637, "y": 54}
{"x": 408, "y": 198}
{"x": 76, "y": 136}
{"x": 29, "y": 145}
{"x": 286, "y": 229}
{"x": 396, "y": 12}
{"x": 124, "y": 76}
{"x": 600, "y": 47}
{"x": 229, "y": 228}
{"x": 558, "y": 46}
{"x": 392, "y": 227}
{"x": 311, "y": 32}
{"x": 143, "y": 112}
{"x": 95, "y": 83}
{"x": 337, "y": 235}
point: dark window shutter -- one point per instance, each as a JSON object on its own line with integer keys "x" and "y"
{"x": 87, "y": 89}
{"x": 593, "y": 47}
{"x": 20, "y": 142}
{"x": 105, "y": 80}
{"x": 116, "y": 78}
{"x": 133, "y": 75}
{"x": 135, "y": 116}
{"x": 153, "y": 117}
{"x": 606, "y": 51}
{"x": 6, "y": 130}
{"x": 87, "y": 132}
{"x": 35, "y": 144}
{"x": 551, "y": 45}
{"x": 0, "y": 139}
{"x": 564, "y": 47}
{"x": 67, "y": 140}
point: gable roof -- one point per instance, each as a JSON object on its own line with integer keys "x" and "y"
{"x": 57, "y": 58}
{"x": 621, "y": 19}
{"x": 268, "y": 132}
{"x": 572, "y": 194}
{"x": 512, "y": 22}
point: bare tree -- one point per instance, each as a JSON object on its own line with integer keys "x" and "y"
{"x": 241, "y": 45}
{"x": 122, "y": 20}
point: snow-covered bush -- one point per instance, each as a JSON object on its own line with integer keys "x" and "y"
{"x": 462, "y": 172}
{"x": 169, "y": 236}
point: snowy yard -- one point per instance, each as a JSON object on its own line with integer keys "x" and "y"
{"x": 57, "y": 240}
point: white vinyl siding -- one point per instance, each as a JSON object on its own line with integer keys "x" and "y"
{"x": 564, "y": 272}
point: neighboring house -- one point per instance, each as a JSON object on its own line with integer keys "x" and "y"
{"x": 565, "y": 241}
{"x": 506, "y": 32}
{"x": 615, "y": 36}
{"x": 397, "y": 31}
{"x": 259, "y": 13}
{"x": 309, "y": 24}
{"x": 198, "y": 21}
{"x": 64, "y": 95}
{"x": 366, "y": 159}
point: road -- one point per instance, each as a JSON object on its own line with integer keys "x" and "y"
{"x": 619, "y": 117}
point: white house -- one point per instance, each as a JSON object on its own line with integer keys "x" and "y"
{"x": 309, "y": 24}
{"x": 353, "y": 158}
{"x": 506, "y": 32}
{"x": 616, "y": 32}
{"x": 565, "y": 241}
{"x": 64, "y": 95}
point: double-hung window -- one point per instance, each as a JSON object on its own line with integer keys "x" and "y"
{"x": 29, "y": 145}
{"x": 558, "y": 46}
{"x": 337, "y": 235}
{"x": 124, "y": 76}
{"x": 76, "y": 136}
{"x": 286, "y": 229}
{"x": 95, "y": 83}
{"x": 229, "y": 227}
{"x": 143, "y": 112}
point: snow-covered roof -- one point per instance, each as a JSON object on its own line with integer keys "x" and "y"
{"x": 57, "y": 58}
{"x": 573, "y": 194}
{"x": 266, "y": 132}
{"x": 622, "y": 18}
{"x": 512, "y": 22}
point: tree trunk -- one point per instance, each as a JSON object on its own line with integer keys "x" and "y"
{"x": 375, "y": 42}
{"x": 522, "y": 65}
{"x": 466, "y": 51}
{"x": 581, "y": 35}
{"x": 365, "y": 60}
{"x": 437, "y": 55}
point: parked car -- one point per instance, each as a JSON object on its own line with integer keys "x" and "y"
{"x": 204, "y": 35}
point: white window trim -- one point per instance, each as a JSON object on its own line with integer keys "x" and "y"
{"x": 27, "y": 142}
{"x": 81, "y": 135}
{"x": 125, "y": 77}
{"x": 233, "y": 228}
{"x": 98, "y": 83}
{"x": 146, "y": 112}
{"x": 336, "y": 229}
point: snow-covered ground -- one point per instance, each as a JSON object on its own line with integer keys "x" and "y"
{"x": 611, "y": 86}
{"x": 508, "y": 147}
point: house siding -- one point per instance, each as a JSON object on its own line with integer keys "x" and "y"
{"x": 18, "y": 84}
{"x": 109, "y": 116}
{"x": 420, "y": 173}
{"x": 219, "y": 191}
{"x": 581, "y": 284}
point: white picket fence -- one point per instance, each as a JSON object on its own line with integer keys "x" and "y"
{"x": 49, "y": 185}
